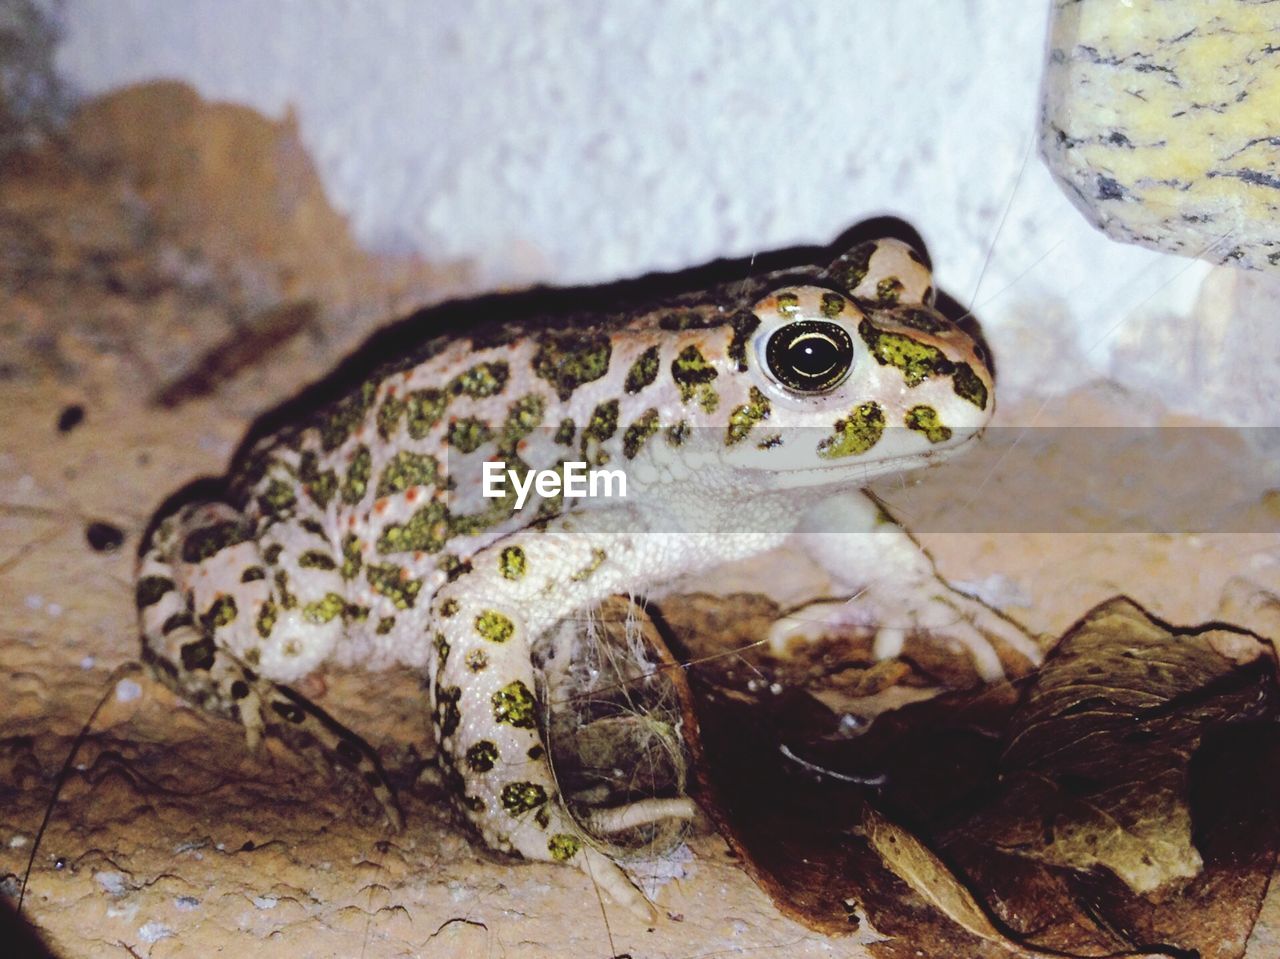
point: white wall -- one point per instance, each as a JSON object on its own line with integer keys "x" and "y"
{"x": 587, "y": 140}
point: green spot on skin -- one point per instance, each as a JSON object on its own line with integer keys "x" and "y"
{"x": 315, "y": 559}
{"x": 442, "y": 651}
{"x": 202, "y": 543}
{"x": 563, "y": 846}
{"x": 424, "y": 407}
{"x": 482, "y": 756}
{"x": 924, "y": 419}
{"x": 426, "y": 530}
{"x": 357, "y": 481}
{"x": 523, "y": 417}
{"x": 677, "y": 434}
{"x": 889, "y": 290}
{"x": 522, "y": 797}
{"x": 320, "y": 486}
{"x": 406, "y": 470}
{"x": 447, "y": 714}
{"x": 850, "y": 268}
{"x": 494, "y": 626}
{"x": 324, "y": 609}
{"x": 511, "y": 562}
{"x": 391, "y": 581}
{"x": 969, "y": 387}
{"x": 917, "y": 361}
{"x": 571, "y": 358}
{"x": 833, "y": 305}
{"x": 385, "y": 625}
{"x": 345, "y": 416}
{"x": 565, "y": 432}
{"x": 643, "y": 371}
{"x": 355, "y": 613}
{"x": 468, "y": 434}
{"x": 638, "y": 433}
{"x": 389, "y": 414}
{"x": 483, "y": 379}
{"x": 923, "y": 320}
{"x": 787, "y": 303}
{"x": 746, "y": 416}
{"x": 855, "y": 434}
{"x": 449, "y": 607}
{"x": 278, "y": 498}
{"x": 287, "y": 599}
{"x": 598, "y": 556}
{"x": 744, "y": 323}
{"x": 351, "y": 561}
{"x": 693, "y": 375}
{"x": 687, "y": 320}
{"x": 266, "y": 619}
{"x": 220, "y": 612}
{"x": 603, "y": 423}
{"x": 514, "y": 705}
{"x": 151, "y": 590}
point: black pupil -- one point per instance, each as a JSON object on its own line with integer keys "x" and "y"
{"x": 810, "y": 356}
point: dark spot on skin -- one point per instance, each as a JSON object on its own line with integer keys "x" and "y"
{"x": 175, "y": 622}
{"x": 889, "y": 290}
{"x": 924, "y": 419}
{"x": 425, "y": 407}
{"x": 923, "y": 320}
{"x": 693, "y": 376}
{"x": 103, "y": 537}
{"x": 536, "y": 752}
{"x": 151, "y": 589}
{"x": 442, "y": 650}
{"x": 744, "y": 323}
{"x": 477, "y": 661}
{"x": 427, "y": 530}
{"x": 449, "y": 607}
{"x": 568, "y": 359}
{"x": 239, "y": 689}
{"x": 522, "y": 797}
{"x": 70, "y": 417}
{"x": 385, "y": 625}
{"x": 266, "y": 618}
{"x": 351, "y": 559}
{"x": 198, "y": 655}
{"x": 678, "y": 433}
{"x": 319, "y": 485}
{"x": 316, "y": 559}
{"x": 643, "y": 371}
{"x": 565, "y": 432}
{"x": 638, "y": 433}
{"x": 202, "y": 543}
{"x": 482, "y": 756}
{"x": 686, "y": 320}
{"x": 511, "y": 563}
{"x": 253, "y": 574}
{"x": 969, "y": 387}
{"x": 746, "y": 416}
{"x": 220, "y": 612}
{"x": 468, "y": 434}
{"x": 447, "y": 714}
{"x": 850, "y": 268}
{"x": 357, "y": 481}
{"x": 345, "y": 416}
{"x": 389, "y": 580}
{"x": 833, "y": 305}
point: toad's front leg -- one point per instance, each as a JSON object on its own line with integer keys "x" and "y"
{"x": 486, "y": 718}
{"x": 892, "y": 587}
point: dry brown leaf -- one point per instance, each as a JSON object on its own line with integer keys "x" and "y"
{"x": 1097, "y": 756}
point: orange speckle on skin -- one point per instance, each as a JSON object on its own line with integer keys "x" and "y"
{"x": 411, "y": 494}
{"x": 404, "y": 574}
{"x": 380, "y": 506}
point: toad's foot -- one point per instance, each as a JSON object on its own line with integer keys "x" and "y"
{"x": 937, "y": 614}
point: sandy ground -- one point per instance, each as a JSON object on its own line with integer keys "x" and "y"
{"x": 127, "y": 256}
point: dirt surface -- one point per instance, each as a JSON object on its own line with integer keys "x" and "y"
{"x": 154, "y": 233}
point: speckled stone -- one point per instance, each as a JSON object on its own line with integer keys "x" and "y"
{"x": 1161, "y": 119}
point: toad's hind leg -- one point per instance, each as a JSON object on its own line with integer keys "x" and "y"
{"x": 185, "y": 633}
{"x": 486, "y": 717}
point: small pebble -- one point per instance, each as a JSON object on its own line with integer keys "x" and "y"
{"x": 112, "y": 882}
{"x": 34, "y": 601}
{"x": 88, "y": 663}
{"x": 186, "y": 903}
{"x": 18, "y": 841}
{"x": 127, "y": 691}
{"x": 70, "y": 417}
{"x": 265, "y": 902}
{"x": 103, "y": 537}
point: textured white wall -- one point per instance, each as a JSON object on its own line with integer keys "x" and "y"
{"x": 586, "y": 140}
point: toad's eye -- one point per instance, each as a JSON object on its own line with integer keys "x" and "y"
{"x": 810, "y": 356}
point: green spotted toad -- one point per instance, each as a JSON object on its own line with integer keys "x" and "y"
{"x": 740, "y": 416}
